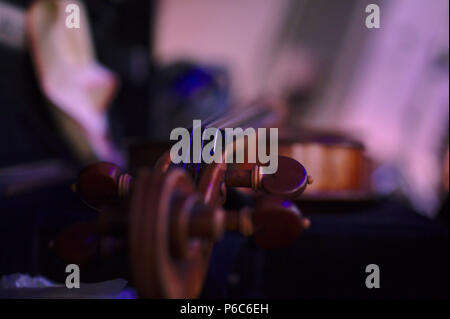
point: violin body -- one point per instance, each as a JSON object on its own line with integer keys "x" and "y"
{"x": 339, "y": 165}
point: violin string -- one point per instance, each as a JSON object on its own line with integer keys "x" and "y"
{"x": 254, "y": 114}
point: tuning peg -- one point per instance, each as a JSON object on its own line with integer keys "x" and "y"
{"x": 288, "y": 181}
{"x": 274, "y": 222}
{"x": 78, "y": 243}
{"x": 86, "y": 241}
{"x": 102, "y": 184}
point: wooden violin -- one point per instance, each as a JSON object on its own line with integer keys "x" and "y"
{"x": 168, "y": 218}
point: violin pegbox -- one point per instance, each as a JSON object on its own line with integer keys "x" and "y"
{"x": 170, "y": 223}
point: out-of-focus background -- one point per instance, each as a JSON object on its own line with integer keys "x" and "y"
{"x": 388, "y": 87}
{"x": 137, "y": 69}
